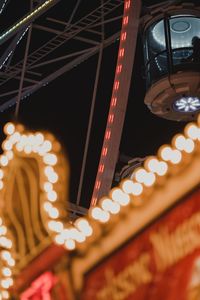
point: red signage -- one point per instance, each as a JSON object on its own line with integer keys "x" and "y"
{"x": 162, "y": 262}
{"x": 45, "y": 287}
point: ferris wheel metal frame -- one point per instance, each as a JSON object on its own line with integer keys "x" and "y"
{"x": 19, "y": 79}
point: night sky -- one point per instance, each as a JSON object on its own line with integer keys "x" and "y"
{"x": 63, "y": 108}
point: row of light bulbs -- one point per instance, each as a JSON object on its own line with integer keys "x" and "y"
{"x": 129, "y": 190}
{"x": 7, "y": 262}
{"x": 72, "y": 235}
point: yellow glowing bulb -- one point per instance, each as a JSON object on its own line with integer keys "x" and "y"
{"x": 192, "y": 131}
{"x": 9, "y": 154}
{"x": 48, "y": 187}
{"x": 50, "y": 159}
{"x": 47, "y": 146}
{"x": 166, "y": 153}
{"x": 59, "y": 239}
{"x": 27, "y": 149}
{"x": 55, "y": 226}
{"x": 119, "y": 196}
{"x": 70, "y": 244}
{"x": 189, "y": 146}
{"x": 162, "y": 168}
{"x": 176, "y": 157}
{"x": 149, "y": 179}
{"x": 52, "y": 196}
{"x": 7, "y": 145}
{"x": 3, "y": 160}
{"x": 140, "y": 174}
{"x": 5, "y": 295}
{"x": 9, "y": 128}
{"x": 83, "y": 225}
{"x": 11, "y": 262}
{"x": 53, "y": 213}
{"x": 6, "y": 272}
{"x": 98, "y": 214}
{"x": 39, "y": 138}
{"x": 5, "y": 255}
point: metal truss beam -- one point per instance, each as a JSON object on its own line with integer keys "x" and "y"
{"x": 59, "y": 72}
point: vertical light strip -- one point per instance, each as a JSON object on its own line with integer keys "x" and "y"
{"x": 118, "y": 100}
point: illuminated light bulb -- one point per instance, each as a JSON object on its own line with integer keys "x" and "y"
{"x": 70, "y": 244}
{"x": 48, "y": 187}
{"x": 55, "y": 226}
{"x": 176, "y": 157}
{"x": 162, "y": 168}
{"x": 140, "y": 174}
{"x": 6, "y": 272}
{"x": 7, "y": 145}
{"x": 149, "y": 179}
{"x": 9, "y": 128}
{"x": 5, "y": 283}
{"x": 39, "y": 138}
{"x": 5, "y": 242}
{"x": 15, "y": 137}
{"x": 98, "y": 214}
{"x": 48, "y": 171}
{"x": 180, "y": 142}
{"x": 3, "y": 160}
{"x": 47, "y": 146}
{"x": 47, "y": 206}
{"x": 50, "y": 159}
{"x": 119, "y": 196}
{"x": 5, "y": 294}
{"x": 83, "y": 226}
{"x": 6, "y": 255}
{"x": 66, "y": 234}
{"x": 137, "y": 189}
{"x": 19, "y": 147}
{"x": 3, "y": 230}
{"x": 53, "y": 213}
{"x": 27, "y": 149}
{"x": 152, "y": 164}
{"x": 189, "y": 146}
{"x": 52, "y": 196}
{"x": 166, "y": 153}
{"x": 1, "y": 174}
{"x": 110, "y": 206}
{"x": 59, "y": 240}
{"x": 1, "y": 184}
{"x": 23, "y": 140}
{"x": 11, "y": 262}
{"x": 127, "y": 186}
{"x": 192, "y": 131}
{"x": 31, "y": 139}
{"x": 9, "y": 155}
{"x": 77, "y": 235}
{"x": 53, "y": 177}
{"x": 131, "y": 187}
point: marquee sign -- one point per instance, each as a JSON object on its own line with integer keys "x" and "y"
{"x": 126, "y": 225}
{"x": 159, "y": 263}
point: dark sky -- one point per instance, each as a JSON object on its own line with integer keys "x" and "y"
{"x": 63, "y": 108}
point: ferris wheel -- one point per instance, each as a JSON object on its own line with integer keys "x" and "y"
{"x": 28, "y": 64}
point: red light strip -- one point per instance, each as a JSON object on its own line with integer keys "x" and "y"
{"x": 114, "y": 105}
